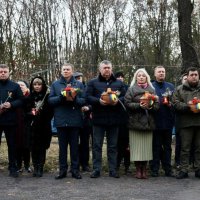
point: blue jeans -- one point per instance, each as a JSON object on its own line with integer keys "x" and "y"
{"x": 68, "y": 135}
{"x": 98, "y": 137}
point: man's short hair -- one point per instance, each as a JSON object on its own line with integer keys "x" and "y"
{"x": 68, "y": 64}
{"x": 3, "y": 66}
{"x": 191, "y": 69}
{"x": 159, "y": 66}
{"x": 105, "y": 62}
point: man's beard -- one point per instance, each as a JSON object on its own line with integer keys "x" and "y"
{"x": 193, "y": 84}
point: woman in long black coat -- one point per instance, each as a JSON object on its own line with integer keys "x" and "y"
{"x": 22, "y": 133}
{"x": 40, "y": 123}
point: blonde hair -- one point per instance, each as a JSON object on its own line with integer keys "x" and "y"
{"x": 146, "y": 74}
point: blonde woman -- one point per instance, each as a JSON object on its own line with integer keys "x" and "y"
{"x": 141, "y": 121}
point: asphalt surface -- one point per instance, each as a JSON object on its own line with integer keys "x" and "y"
{"x": 27, "y": 187}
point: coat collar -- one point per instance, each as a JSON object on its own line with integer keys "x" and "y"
{"x": 63, "y": 80}
{"x": 102, "y": 79}
{"x": 186, "y": 85}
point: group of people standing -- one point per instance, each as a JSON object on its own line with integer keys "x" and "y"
{"x": 137, "y": 121}
{"x": 25, "y": 122}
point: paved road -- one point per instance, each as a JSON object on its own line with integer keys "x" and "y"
{"x": 105, "y": 188}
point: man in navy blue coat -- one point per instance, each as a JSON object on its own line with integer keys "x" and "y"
{"x": 68, "y": 118}
{"x": 164, "y": 119}
{"x": 10, "y": 98}
{"x": 105, "y": 117}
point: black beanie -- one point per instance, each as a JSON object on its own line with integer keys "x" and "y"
{"x": 118, "y": 74}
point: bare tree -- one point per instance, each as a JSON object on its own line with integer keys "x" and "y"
{"x": 189, "y": 55}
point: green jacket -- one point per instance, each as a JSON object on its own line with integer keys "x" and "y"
{"x": 182, "y": 95}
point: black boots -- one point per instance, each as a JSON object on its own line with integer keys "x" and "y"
{"x": 35, "y": 170}
{"x": 38, "y": 170}
{"x": 62, "y": 174}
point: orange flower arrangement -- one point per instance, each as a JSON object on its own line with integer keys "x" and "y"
{"x": 111, "y": 97}
{"x": 70, "y": 93}
{"x": 148, "y": 98}
{"x": 194, "y": 105}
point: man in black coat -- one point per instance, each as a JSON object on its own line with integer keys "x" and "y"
{"x": 10, "y": 98}
{"x": 105, "y": 117}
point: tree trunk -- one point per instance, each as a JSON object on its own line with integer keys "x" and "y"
{"x": 189, "y": 55}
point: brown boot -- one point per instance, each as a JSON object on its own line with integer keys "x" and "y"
{"x": 138, "y": 170}
{"x": 144, "y": 170}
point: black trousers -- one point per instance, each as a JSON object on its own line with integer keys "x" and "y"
{"x": 162, "y": 150}
{"x": 98, "y": 138}
{"x": 68, "y": 136}
{"x": 23, "y": 155}
{"x": 38, "y": 156}
{"x": 123, "y": 151}
{"x": 84, "y": 151}
{"x": 10, "y": 134}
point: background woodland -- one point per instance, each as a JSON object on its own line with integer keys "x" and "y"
{"x": 38, "y": 36}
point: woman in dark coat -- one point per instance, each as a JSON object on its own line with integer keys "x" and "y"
{"x": 141, "y": 120}
{"x": 40, "y": 123}
{"x": 23, "y": 136}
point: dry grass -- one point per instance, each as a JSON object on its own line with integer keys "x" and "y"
{"x": 3, "y": 154}
{"x": 51, "y": 164}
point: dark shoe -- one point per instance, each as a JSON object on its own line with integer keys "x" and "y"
{"x": 127, "y": 171}
{"x": 14, "y": 174}
{"x": 114, "y": 174}
{"x": 197, "y": 173}
{"x": 86, "y": 169}
{"x": 182, "y": 175}
{"x": 20, "y": 170}
{"x": 40, "y": 171}
{"x": 169, "y": 174}
{"x": 76, "y": 175}
{"x": 28, "y": 169}
{"x": 35, "y": 171}
{"x": 61, "y": 175}
{"x": 154, "y": 174}
{"x": 95, "y": 174}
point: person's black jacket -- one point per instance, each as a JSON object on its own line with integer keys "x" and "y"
{"x": 10, "y": 92}
{"x": 104, "y": 115}
{"x": 40, "y": 124}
